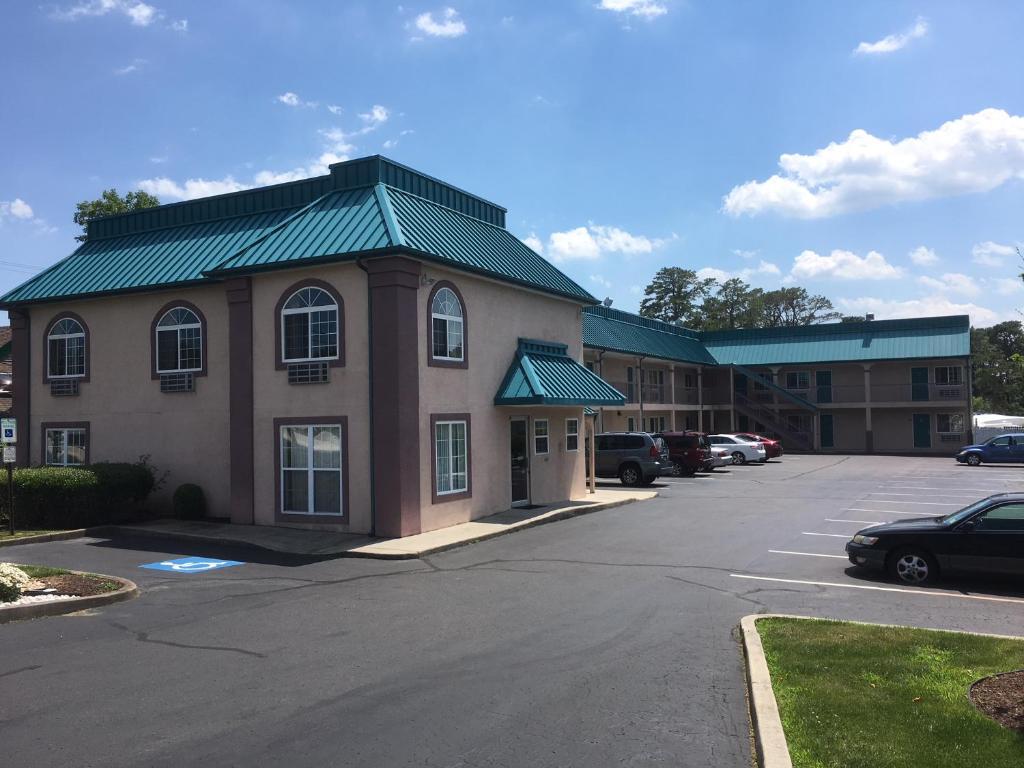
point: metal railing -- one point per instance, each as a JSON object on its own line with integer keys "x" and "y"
{"x": 776, "y": 426}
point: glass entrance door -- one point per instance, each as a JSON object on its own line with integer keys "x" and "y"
{"x": 520, "y": 456}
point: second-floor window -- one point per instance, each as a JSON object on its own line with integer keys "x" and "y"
{"x": 798, "y": 380}
{"x": 65, "y": 349}
{"x": 949, "y": 423}
{"x": 309, "y": 326}
{"x": 179, "y": 341}
{"x": 447, "y": 327}
{"x": 949, "y": 375}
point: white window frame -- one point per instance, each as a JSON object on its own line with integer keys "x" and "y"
{"x": 630, "y": 424}
{"x": 66, "y": 337}
{"x": 452, "y": 475}
{"x": 959, "y": 375}
{"x": 546, "y": 437}
{"x": 310, "y": 469}
{"x": 64, "y": 431}
{"x": 798, "y": 374}
{"x": 572, "y": 430}
{"x": 950, "y": 417}
{"x": 309, "y": 310}
{"x": 460, "y": 319}
{"x": 177, "y": 332}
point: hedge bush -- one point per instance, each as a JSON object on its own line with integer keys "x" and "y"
{"x": 189, "y": 502}
{"x": 78, "y": 497}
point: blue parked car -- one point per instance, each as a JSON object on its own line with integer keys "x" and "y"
{"x": 998, "y": 449}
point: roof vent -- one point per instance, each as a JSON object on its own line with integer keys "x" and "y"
{"x": 869, "y": 316}
{"x": 607, "y": 301}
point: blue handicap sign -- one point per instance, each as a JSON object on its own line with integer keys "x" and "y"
{"x": 191, "y": 565}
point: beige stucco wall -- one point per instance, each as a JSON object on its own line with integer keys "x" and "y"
{"x": 496, "y": 316}
{"x": 184, "y": 434}
{"x": 894, "y": 430}
{"x": 347, "y": 393}
{"x": 849, "y": 431}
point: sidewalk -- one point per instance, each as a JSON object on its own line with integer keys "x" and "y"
{"x": 326, "y": 544}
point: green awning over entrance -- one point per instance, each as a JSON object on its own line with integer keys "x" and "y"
{"x": 544, "y": 374}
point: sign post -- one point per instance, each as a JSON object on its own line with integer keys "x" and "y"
{"x": 8, "y": 443}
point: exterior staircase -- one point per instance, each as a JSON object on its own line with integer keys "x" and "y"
{"x": 776, "y": 426}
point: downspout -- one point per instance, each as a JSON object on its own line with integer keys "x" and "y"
{"x": 640, "y": 390}
{"x": 600, "y": 369}
{"x": 369, "y": 344}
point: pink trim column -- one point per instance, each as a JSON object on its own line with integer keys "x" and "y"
{"x": 393, "y": 285}
{"x": 240, "y": 404}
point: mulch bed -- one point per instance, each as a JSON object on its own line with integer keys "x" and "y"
{"x": 1001, "y": 698}
{"x": 74, "y": 584}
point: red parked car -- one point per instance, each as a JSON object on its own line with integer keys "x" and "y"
{"x": 772, "y": 448}
{"x": 688, "y": 451}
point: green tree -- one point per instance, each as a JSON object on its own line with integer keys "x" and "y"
{"x": 109, "y": 203}
{"x": 675, "y": 295}
{"x": 734, "y": 305}
{"x": 793, "y": 306}
{"x": 998, "y": 373}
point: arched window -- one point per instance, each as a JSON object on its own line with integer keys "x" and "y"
{"x": 309, "y": 326}
{"x": 65, "y": 349}
{"x": 179, "y": 341}
{"x": 448, "y": 326}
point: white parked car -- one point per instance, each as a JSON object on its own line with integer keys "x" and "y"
{"x": 742, "y": 450}
{"x": 720, "y": 455}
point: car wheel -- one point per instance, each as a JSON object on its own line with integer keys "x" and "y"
{"x": 648, "y": 480}
{"x": 677, "y": 469}
{"x": 973, "y": 459}
{"x": 630, "y": 475}
{"x": 914, "y": 567}
{"x": 738, "y": 458}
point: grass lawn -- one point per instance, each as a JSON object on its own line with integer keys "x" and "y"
{"x": 855, "y": 696}
{"x": 39, "y": 571}
{"x": 5, "y": 534}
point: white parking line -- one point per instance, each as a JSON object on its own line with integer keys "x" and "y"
{"x": 866, "y": 522}
{"x": 937, "y": 488}
{"x": 836, "y": 535}
{"x": 881, "y": 589}
{"x": 923, "y": 495}
{"x": 922, "y": 503}
{"x": 805, "y": 554}
{"x": 888, "y": 511}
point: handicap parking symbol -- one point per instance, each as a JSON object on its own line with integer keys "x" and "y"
{"x": 191, "y": 565}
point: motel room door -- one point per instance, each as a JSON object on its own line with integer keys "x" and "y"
{"x": 520, "y": 456}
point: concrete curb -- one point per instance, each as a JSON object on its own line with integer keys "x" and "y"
{"x": 110, "y": 530}
{"x": 75, "y": 533}
{"x": 769, "y": 738}
{"x": 127, "y": 591}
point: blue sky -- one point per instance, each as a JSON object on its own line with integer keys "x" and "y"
{"x": 872, "y": 152}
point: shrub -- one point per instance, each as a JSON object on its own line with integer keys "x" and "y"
{"x": 189, "y": 502}
{"x": 79, "y": 497}
{"x": 12, "y": 581}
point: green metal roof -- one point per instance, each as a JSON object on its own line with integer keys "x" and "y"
{"x": 364, "y": 207}
{"x": 922, "y": 337}
{"x": 146, "y": 259}
{"x": 617, "y": 331}
{"x": 543, "y": 374}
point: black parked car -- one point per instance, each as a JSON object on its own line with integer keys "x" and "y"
{"x": 984, "y": 537}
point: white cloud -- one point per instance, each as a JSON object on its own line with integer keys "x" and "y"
{"x": 1007, "y": 286}
{"x": 923, "y": 257}
{"x": 291, "y": 99}
{"x": 17, "y": 208}
{"x": 128, "y": 69}
{"x": 594, "y": 240}
{"x": 648, "y": 9}
{"x": 447, "y": 25}
{"x": 991, "y": 254}
{"x": 843, "y": 265}
{"x": 744, "y": 254}
{"x": 390, "y": 144}
{"x": 974, "y": 153}
{"x": 534, "y": 243}
{"x": 376, "y": 116}
{"x": 927, "y": 306}
{"x": 140, "y": 14}
{"x": 602, "y": 281}
{"x": 952, "y": 282}
{"x": 762, "y": 269}
{"x": 891, "y": 43}
{"x": 166, "y": 189}
{"x": 181, "y": 25}
{"x": 334, "y": 109}
{"x": 158, "y": 159}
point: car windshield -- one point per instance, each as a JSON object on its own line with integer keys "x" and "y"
{"x": 963, "y": 514}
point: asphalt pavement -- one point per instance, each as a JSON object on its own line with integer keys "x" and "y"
{"x": 603, "y": 640}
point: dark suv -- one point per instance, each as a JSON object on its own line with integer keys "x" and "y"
{"x": 688, "y": 451}
{"x": 636, "y": 458}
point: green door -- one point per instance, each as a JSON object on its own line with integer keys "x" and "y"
{"x": 922, "y": 430}
{"x": 828, "y": 430}
{"x": 919, "y": 384}
{"x": 823, "y": 382}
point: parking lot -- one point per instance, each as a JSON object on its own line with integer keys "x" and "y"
{"x": 600, "y": 640}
